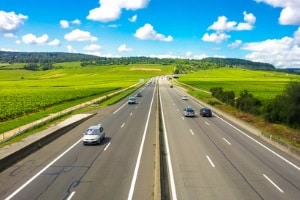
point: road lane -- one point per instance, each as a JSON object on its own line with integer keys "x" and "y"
{"x": 105, "y": 170}
{"x": 219, "y": 161}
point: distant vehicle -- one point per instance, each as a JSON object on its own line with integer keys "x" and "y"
{"x": 205, "y": 112}
{"x": 189, "y": 112}
{"x": 93, "y": 135}
{"x": 184, "y": 97}
{"x": 131, "y": 100}
{"x": 171, "y": 86}
{"x": 139, "y": 94}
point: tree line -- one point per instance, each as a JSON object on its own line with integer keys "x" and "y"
{"x": 284, "y": 108}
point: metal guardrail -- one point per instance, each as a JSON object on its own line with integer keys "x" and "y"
{"x": 17, "y": 131}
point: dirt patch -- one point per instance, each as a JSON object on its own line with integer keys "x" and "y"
{"x": 144, "y": 69}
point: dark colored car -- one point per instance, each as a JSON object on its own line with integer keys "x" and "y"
{"x": 139, "y": 94}
{"x": 189, "y": 112}
{"x": 205, "y": 112}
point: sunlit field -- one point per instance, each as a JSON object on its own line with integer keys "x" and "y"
{"x": 23, "y": 92}
{"x": 263, "y": 85}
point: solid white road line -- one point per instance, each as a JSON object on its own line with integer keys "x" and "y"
{"x": 71, "y": 195}
{"x": 226, "y": 141}
{"x": 262, "y": 145}
{"x": 167, "y": 149}
{"x": 212, "y": 164}
{"x": 138, "y": 161}
{"x": 276, "y": 186}
{"x": 40, "y": 172}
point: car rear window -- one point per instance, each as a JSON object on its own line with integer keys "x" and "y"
{"x": 92, "y": 132}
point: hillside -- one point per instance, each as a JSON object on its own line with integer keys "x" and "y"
{"x": 240, "y": 63}
{"x": 44, "y": 61}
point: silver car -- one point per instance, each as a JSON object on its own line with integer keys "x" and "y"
{"x": 93, "y": 135}
{"x": 189, "y": 112}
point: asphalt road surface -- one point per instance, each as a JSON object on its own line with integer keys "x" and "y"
{"x": 122, "y": 167}
{"x": 210, "y": 158}
{"x": 207, "y": 158}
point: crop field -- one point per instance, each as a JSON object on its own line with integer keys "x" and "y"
{"x": 23, "y": 92}
{"x": 263, "y": 85}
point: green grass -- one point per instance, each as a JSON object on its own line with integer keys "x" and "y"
{"x": 28, "y": 95}
{"x": 264, "y": 85}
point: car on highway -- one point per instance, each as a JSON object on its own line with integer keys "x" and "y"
{"x": 184, "y": 97}
{"x": 131, "y": 100}
{"x": 171, "y": 86}
{"x": 205, "y": 112}
{"x": 93, "y": 135}
{"x": 139, "y": 94}
{"x": 189, "y": 112}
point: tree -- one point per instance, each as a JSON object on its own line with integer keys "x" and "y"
{"x": 285, "y": 108}
{"x": 248, "y": 103}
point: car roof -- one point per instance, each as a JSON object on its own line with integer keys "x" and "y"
{"x": 95, "y": 126}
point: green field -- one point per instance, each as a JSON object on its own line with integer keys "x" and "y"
{"x": 264, "y": 85}
{"x": 24, "y": 92}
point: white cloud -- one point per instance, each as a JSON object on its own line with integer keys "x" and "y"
{"x": 113, "y": 26}
{"x": 133, "y": 18}
{"x": 111, "y": 10}
{"x": 11, "y": 22}
{"x": 92, "y": 47}
{"x": 235, "y": 44}
{"x": 4, "y": 49}
{"x": 64, "y": 24}
{"x": 9, "y": 35}
{"x": 290, "y": 14}
{"x": 79, "y": 35}
{"x": 223, "y": 25}
{"x": 32, "y": 39}
{"x": 147, "y": 32}
{"x": 76, "y": 21}
{"x": 215, "y": 37}
{"x": 189, "y": 54}
{"x": 71, "y": 49}
{"x": 282, "y": 52}
{"x": 124, "y": 48}
{"x": 54, "y": 42}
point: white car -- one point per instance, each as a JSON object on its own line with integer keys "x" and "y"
{"x": 93, "y": 135}
{"x": 184, "y": 97}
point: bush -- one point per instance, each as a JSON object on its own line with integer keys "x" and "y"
{"x": 248, "y": 103}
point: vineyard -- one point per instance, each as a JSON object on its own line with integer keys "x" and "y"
{"x": 24, "y": 92}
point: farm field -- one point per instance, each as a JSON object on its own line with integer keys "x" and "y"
{"x": 24, "y": 92}
{"x": 264, "y": 85}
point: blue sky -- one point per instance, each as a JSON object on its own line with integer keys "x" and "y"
{"x": 257, "y": 30}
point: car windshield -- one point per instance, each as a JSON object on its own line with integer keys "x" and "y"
{"x": 189, "y": 109}
{"x": 92, "y": 132}
{"x": 131, "y": 98}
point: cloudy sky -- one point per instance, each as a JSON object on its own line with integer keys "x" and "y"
{"x": 257, "y": 30}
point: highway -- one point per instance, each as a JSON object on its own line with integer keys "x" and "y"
{"x": 122, "y": 167}
{"x": 206, "y": 158}
{"x": 211, "y": 158}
